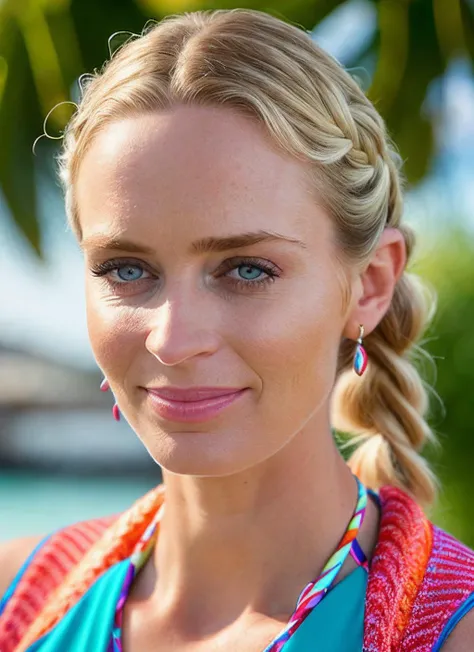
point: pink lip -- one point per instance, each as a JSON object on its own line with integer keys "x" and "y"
{"x": 192, "y": 393}
{"x": 193, "y": 411}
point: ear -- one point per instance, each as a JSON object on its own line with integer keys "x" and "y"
{"x": 373, "y": 288}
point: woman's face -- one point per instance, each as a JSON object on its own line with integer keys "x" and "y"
{"x": 167, "y": 309}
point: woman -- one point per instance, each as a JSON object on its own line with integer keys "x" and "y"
{"x": 220, "y": 144}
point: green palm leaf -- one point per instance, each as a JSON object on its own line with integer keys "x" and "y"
{"x": 45, "y": 45}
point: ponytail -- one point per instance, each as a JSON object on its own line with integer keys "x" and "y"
{"x": 384, "y": 410}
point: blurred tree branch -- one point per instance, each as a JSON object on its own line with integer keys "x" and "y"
{"x": 45, "y": 45}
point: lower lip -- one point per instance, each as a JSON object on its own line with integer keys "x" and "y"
{"x": 193, "y": 411}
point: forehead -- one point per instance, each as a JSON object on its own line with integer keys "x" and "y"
{"x": 198, "y": 164}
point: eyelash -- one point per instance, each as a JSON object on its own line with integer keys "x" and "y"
{"x": 102, "y": 269}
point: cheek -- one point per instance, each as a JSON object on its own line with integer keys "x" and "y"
{"x": 115, "y": 333}
{"x": 300, "y": 335}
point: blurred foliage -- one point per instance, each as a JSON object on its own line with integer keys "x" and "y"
{"x": 449, "y": 267}
{"x": 45, "y": 45}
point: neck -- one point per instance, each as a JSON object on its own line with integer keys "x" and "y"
{"x": 265, "y": 533}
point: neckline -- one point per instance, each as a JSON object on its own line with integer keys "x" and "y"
{"x": 312, "y": 594}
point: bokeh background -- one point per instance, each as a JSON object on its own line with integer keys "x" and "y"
{"x": 62, "y": 457}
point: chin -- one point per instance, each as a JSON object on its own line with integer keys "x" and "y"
{"x": 196, "y": 454}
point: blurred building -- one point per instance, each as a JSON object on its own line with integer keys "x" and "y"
{"x": 54, "y": 416}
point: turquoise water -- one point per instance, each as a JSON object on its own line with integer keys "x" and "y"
{"x": 36, "y": 503}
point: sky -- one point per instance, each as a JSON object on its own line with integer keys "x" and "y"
{"x": 42, "y": 305}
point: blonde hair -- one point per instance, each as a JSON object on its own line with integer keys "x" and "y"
{"x": 275, "y": 73}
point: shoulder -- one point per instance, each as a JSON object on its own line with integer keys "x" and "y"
{"x": 462, "y": 636}
{"x": 13, "y": 554}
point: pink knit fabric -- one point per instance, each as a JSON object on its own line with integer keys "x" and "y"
{"x": 448, "y": 582}
{"x": 418, "y": 579}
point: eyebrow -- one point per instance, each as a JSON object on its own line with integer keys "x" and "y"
{"x": 202, "y": 246}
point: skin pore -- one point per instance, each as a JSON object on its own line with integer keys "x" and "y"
{"x": 257, "y": 497}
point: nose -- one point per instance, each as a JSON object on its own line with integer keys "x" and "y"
{"x": 182, "y": 328}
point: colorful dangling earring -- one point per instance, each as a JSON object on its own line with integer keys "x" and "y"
{"x": 104, "y": 386}
{"x": 360, "y": 358}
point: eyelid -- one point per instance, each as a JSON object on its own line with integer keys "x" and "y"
{"x": 227, "y": 262}
{"x": 102, "y": 268}
{"x": 236, "y": 261}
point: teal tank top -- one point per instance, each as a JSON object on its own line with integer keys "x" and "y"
{"x": 335, "y": 625}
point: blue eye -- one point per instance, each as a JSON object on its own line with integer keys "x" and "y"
{"x": 250, "y": 269}
{"x": 252, "y": 273}
{"x": 129, "y": 272}
{"x": 121, "y": 272}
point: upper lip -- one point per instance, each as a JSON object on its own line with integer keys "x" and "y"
{"x": 192, "y": 393}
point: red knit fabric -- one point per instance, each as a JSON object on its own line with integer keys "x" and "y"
{"x": 116, "y": 543}
{"x": 396, "y": 571}
{"x": 53, "y": 561}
